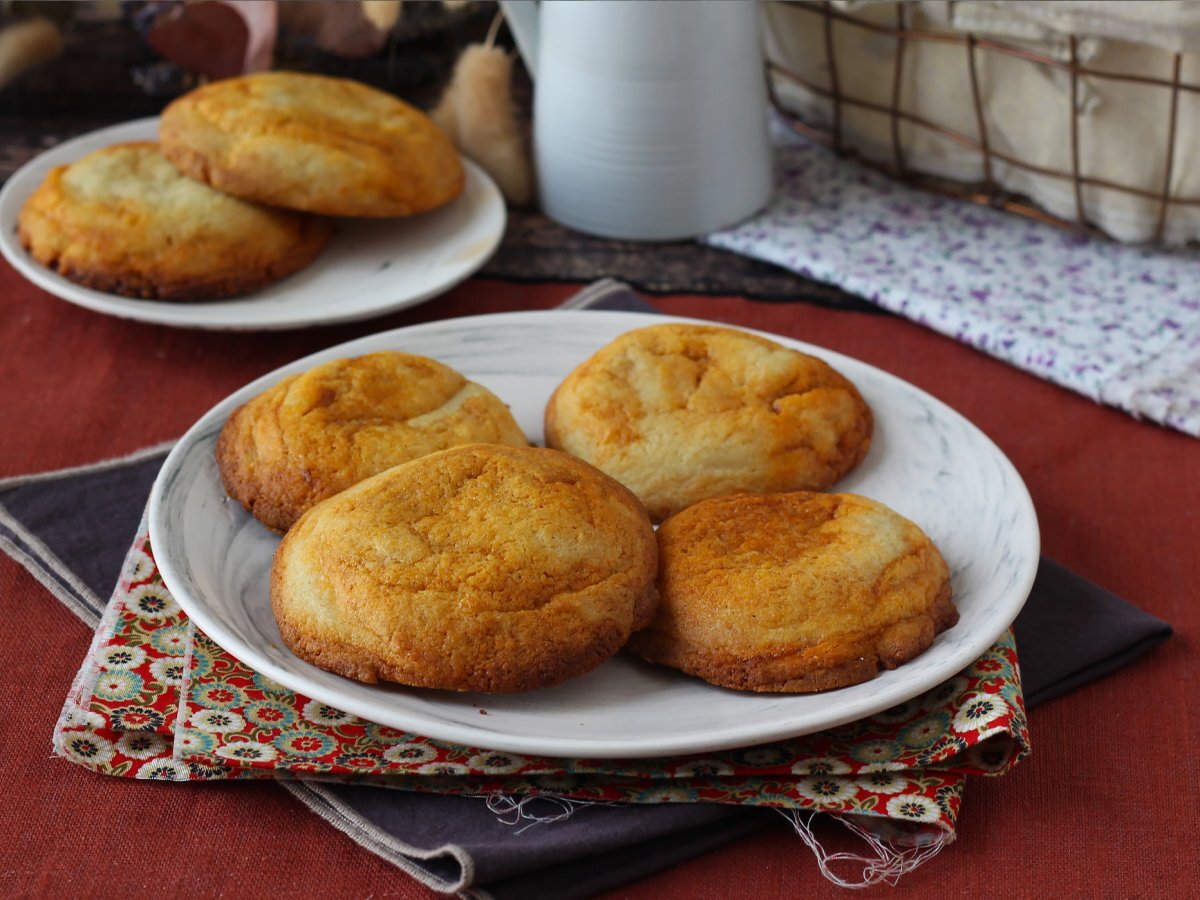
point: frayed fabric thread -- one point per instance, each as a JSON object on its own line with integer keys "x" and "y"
{"x": 512, "y": 810}
{"x": 887, "y": 864}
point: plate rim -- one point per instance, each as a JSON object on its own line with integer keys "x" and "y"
{"x": 192, "y": 314}
{"x": 564, "y": 746}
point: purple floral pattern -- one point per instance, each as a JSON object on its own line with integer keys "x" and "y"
{"x": 1119, "y": 324}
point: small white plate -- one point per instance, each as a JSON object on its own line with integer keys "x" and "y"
{"x": 371, "y": 266}
{"x": 926, "y": 461}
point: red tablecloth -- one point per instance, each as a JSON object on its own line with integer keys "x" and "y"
{"x": 1105, "y": 807}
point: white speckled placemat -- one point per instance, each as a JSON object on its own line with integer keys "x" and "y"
{"x": 1119, "y": 324}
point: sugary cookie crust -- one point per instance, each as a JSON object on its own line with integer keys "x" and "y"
{"x": 313, "y": 143}
{"x": 480, "y": 568}
{"x": 794, "y": 592}
{"x": 315, "y": 434}
{"x": 681, "y": 413}
{"x": 124, "y": 221}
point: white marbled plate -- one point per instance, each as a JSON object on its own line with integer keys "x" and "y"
{"x": 926, "y": 461}
{"x": 371, "y": 266}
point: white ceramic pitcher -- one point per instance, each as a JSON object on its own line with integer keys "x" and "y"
{"x": 649, "y": 117}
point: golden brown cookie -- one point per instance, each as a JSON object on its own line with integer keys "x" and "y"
{"x": 317, "y": 433}
{"x": 123, "y": 220}
{"x": 312, "y": 143}
{"x": 479, "y": 568}
{"x": 680, "y": 413}
{"x": 794, "y": 592}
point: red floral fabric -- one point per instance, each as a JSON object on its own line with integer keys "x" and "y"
{"x": 156, "y": 698}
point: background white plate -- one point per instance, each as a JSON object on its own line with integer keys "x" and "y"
{"x": 371, "y": 266}
{"x": 926, "y": 461}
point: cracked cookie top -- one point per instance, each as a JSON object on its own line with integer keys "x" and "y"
{"x": 479, "y": 568}
{"x": 319, "y": 432}
{"x": 313, "y": 143}
{"x": 681, "y": 413}
{"x": 794, "y": 592}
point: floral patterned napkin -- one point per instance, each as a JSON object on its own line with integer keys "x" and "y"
{"x": 1117, "y": 323}
{"x": 157, "y": 699}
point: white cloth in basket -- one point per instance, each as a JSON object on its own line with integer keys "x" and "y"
{"x": 1122, "y": 126}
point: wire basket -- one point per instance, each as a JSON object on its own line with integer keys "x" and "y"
{"x": 859, "y": 81}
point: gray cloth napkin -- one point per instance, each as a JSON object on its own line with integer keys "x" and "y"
{"x": 72, "y": 529}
